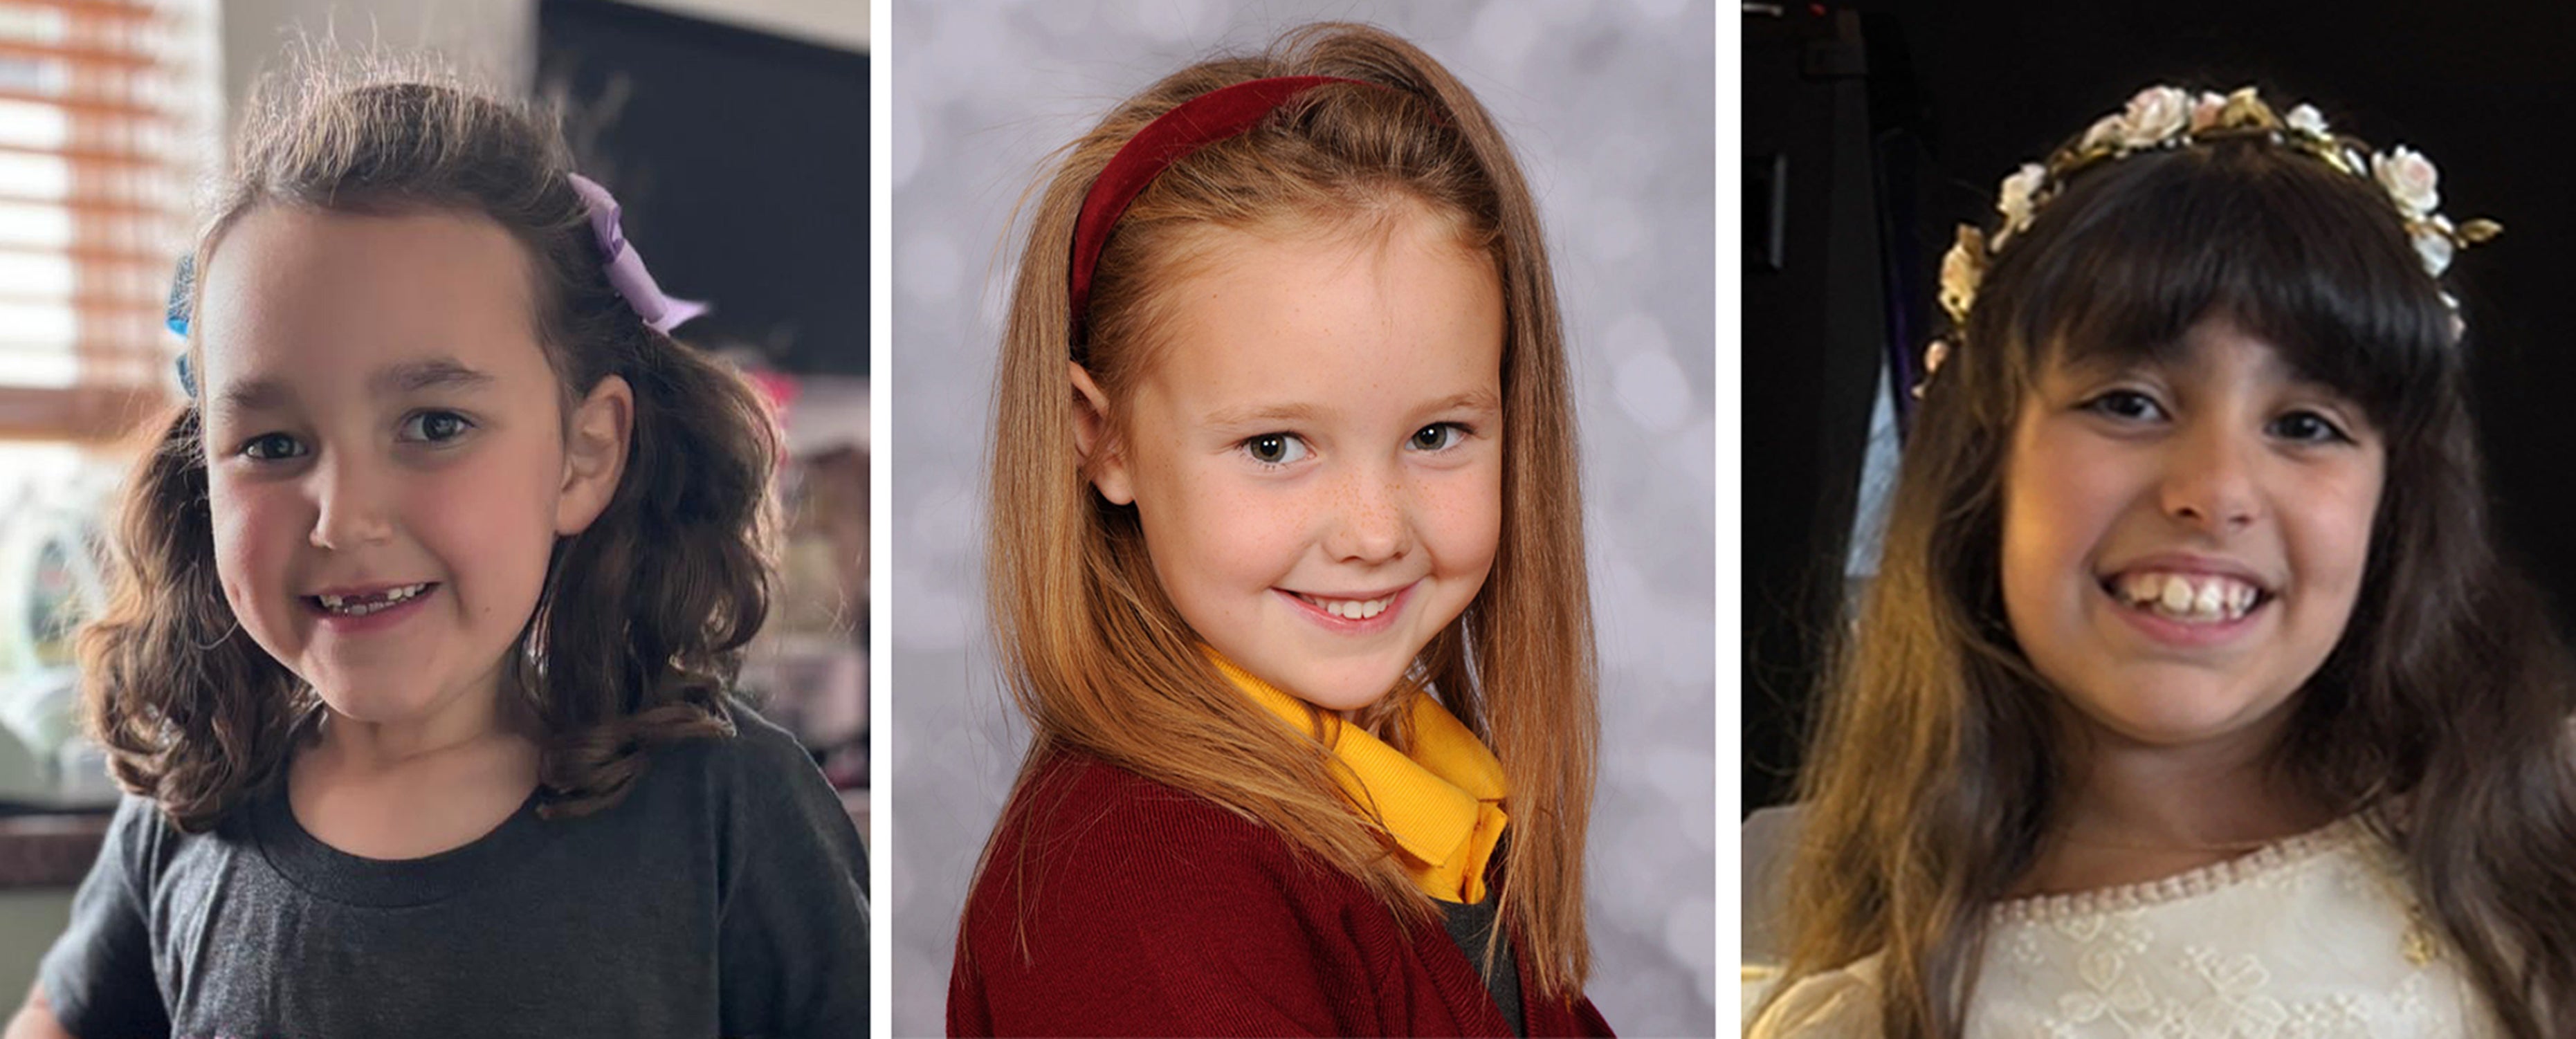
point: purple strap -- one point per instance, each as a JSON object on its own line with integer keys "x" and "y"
{"x": 626, "y": 267}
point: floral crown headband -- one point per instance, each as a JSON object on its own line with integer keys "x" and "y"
{"x": 2164, "y": 117}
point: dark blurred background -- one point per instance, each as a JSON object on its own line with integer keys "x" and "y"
{"x": 1870, "y": 130}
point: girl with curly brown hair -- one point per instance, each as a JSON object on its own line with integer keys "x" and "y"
{"x": 426, "y": 605}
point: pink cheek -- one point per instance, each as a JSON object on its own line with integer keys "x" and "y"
{"x": 1463, "y": 525}
{"x": 255, "y": 535}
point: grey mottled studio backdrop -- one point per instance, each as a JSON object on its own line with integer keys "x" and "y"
{"x": 1610, "y": 108}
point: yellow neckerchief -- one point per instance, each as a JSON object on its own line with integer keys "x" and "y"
{"x": 1442, "y": 804}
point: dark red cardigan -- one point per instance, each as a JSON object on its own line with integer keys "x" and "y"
{"x": 1127, "y": 907}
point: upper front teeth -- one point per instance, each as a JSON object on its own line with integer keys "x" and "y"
{"x": 362, "y": 605}
{"x": 1350, "y": 609}
{"x": 2190, "y": 597}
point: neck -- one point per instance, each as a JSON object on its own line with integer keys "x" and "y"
{"x": 473, "y": 723}
{"x": 2138, "y": 812}
{"x": 418, "y": 786}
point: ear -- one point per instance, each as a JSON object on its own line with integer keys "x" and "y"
{"x": 1098, "y": 446}
{"x": 594, "y": 454}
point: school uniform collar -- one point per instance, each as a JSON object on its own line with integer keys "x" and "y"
{"x": 1442, "y": 805}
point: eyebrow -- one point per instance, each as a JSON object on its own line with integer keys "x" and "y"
{"x": 1260, "y": 413}
{"x": 1472, "y": 400}
{"x": 410, "y": 377}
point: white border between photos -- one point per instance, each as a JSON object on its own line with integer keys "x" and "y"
{"x": 1728, "y": 297}
{"x": 880, "y": 516}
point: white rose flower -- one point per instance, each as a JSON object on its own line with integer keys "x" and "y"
{"x": 2105, "y": 132}
{"x": 2155, "y": 116}
{"x": 2410, "y": 179}
{"x": 1961, "y": 270}
{"x": 2435, "y": 248}
{"x": 2307, "y": 120}
{"x": 2014, "y": 201}
{"x": 2204, "y": 112}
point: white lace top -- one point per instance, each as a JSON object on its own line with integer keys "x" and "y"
{"x": 2313, "y": 936}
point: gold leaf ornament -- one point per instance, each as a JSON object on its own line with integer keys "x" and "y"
{"x": 1961, "y": 271}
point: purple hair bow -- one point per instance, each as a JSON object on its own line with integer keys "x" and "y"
{"x": 625, "y": 267}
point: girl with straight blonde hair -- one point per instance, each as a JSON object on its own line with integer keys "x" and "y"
{"x": 1286, "y": 567}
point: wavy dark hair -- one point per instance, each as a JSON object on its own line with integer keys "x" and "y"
{"x": 2441, "y": 714}
{"x": 639, "y": 629}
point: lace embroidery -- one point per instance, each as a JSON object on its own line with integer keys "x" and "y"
{"x": 2306, "y": 939}
{"x": 2314, "y": 936}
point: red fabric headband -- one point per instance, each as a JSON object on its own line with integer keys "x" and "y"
{"x": 1189, "y": 126}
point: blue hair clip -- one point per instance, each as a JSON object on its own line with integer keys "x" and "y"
{"x": 181, "y": 280}
{"x": 176, "y": 317}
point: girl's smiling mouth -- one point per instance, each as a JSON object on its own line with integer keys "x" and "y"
{"x": 1358, "y": 613}
{"x": 367, "y": 608}
{"x": 2186, "y": 597}
{"x": 2186, "y": 604}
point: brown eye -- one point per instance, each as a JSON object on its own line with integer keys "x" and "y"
{"x": 271, "y": 447}
{"x": 1438, "y": 436}
{"x": 435, "y": 427}
{"x": 1275, "y": 448}
{"x": 2126, "y": 404}
{"x": 2307, "y": 426}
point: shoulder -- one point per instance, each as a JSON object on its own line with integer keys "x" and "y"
{"x": 1091, "y": 846}
{"x": 756, "y": 794}
{"x": 757, "y": 752}
{"x": 1082, "y": 820}
{"x": 1837, "y": 1004}
{"x": 143, "y": 842}
{"x": 757, "y": 771}
{"x": 1110, "y": 902}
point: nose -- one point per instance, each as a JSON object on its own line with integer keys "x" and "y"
{"x": 2211, "y": 478}
{"x": 1372, "y": 517}
{"x": 349, "y": 507}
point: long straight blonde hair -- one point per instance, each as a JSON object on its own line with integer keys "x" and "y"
{"x": 1095, "y": 654}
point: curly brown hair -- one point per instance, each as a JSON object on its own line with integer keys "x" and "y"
{"x": 638, "y": 633}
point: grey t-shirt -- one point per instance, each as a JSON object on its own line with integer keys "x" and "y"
{"x": 725, "y": 895}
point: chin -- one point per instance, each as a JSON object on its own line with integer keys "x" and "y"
{"x": 376, "y": 709}
{"x": 2184, "y": 717}
{"x": 1346, "y": 690}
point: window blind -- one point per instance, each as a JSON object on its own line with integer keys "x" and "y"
{"x": 104, "y": 108}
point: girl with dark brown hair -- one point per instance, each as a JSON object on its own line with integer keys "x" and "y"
{"x": 1286, "y": 566}
{"x": 2192, "y": 697}
{"x": 425, "y": 606}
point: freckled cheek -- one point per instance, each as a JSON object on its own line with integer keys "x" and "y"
{"x": 1203, "y": 535}
{"x": 1251, "y": 539}
{"x": 1461, "y": 521}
